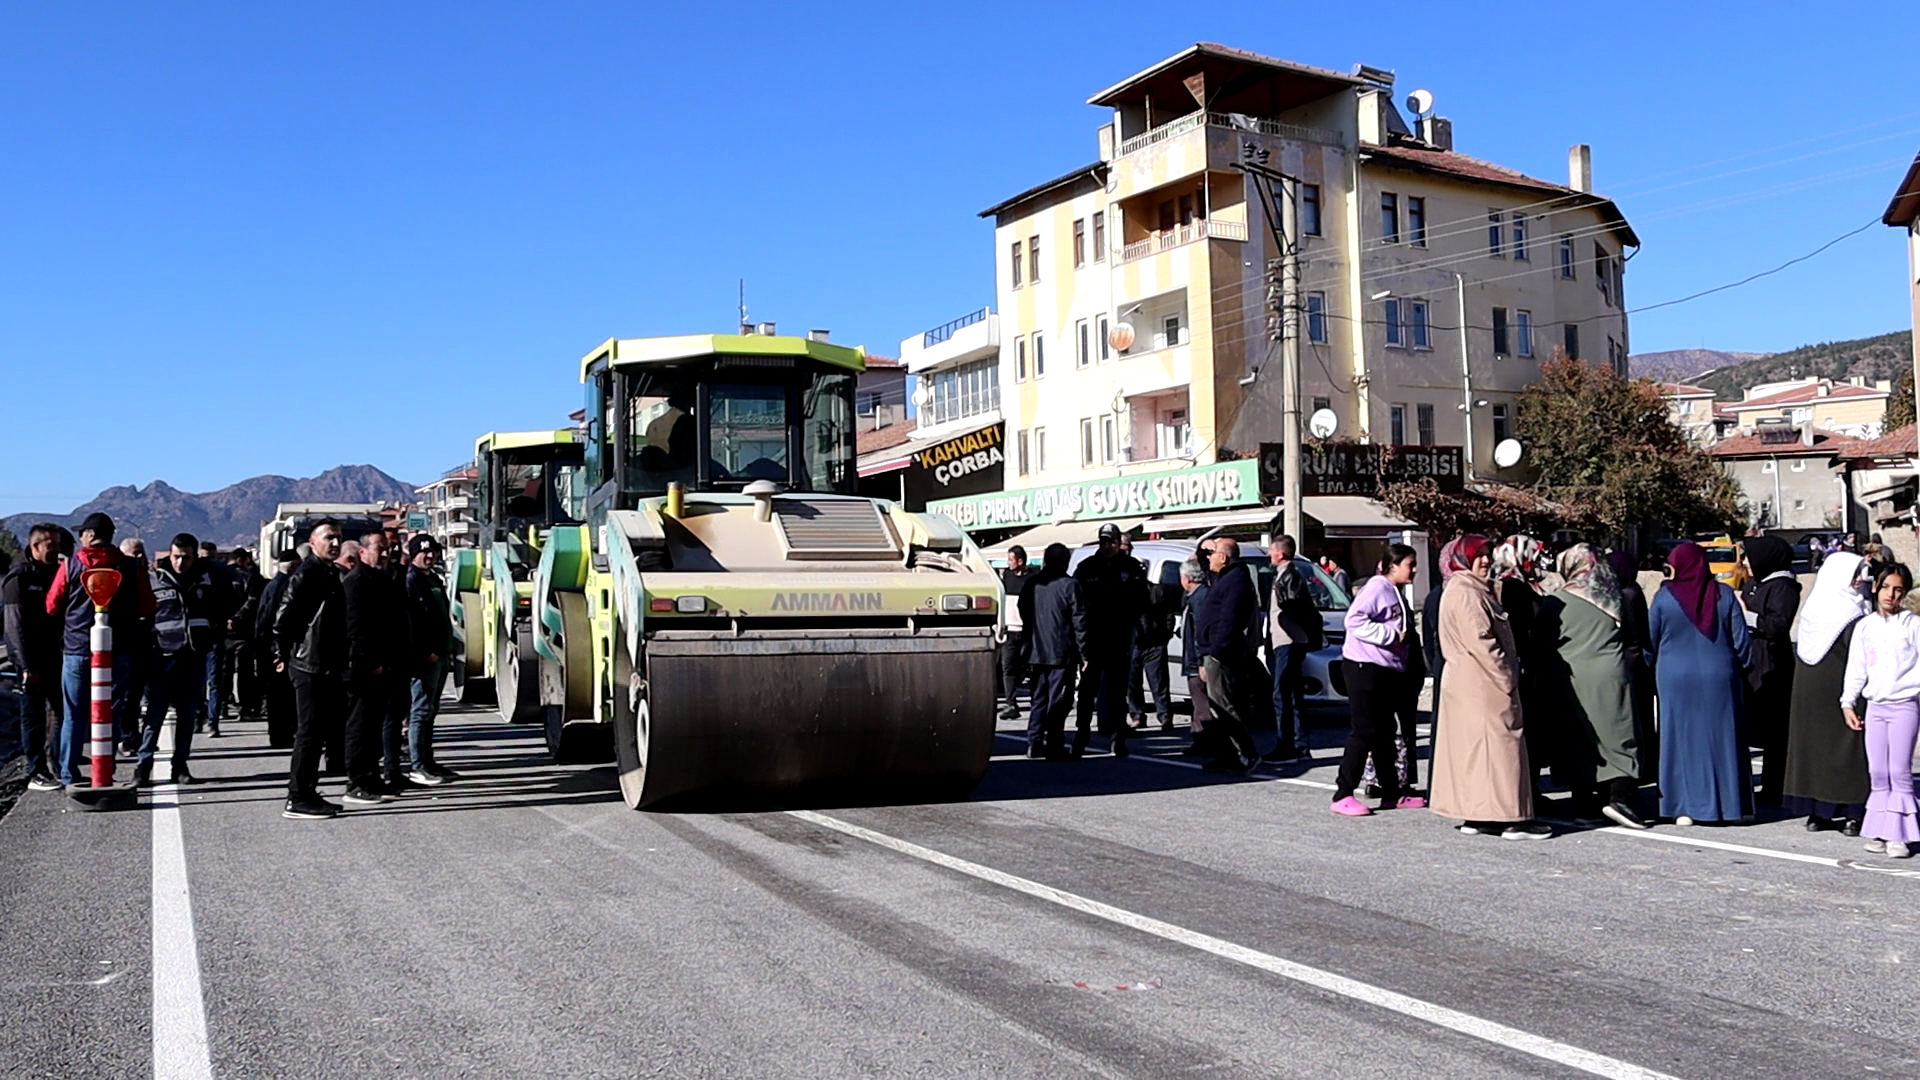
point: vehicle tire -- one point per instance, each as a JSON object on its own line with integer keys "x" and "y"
{"x": 632, "y": 727}
{"x": 517, "y": 671}
{"x": 578, "y": 743}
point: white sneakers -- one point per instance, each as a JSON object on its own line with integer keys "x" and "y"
{"x": 1683, "y": 820}
{"x": 1897, "y": 850}
{"x": 425, "y": 778}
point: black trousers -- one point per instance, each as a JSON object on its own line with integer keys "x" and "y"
{"x": 1374, "y": 694}
{"x": 1103, "y": 687}
{"x": 1151, "y": 661}
{"x": 280, "y": 710}
{"x": 246, "y": 667}
{"x": 318, "y": 701}
{"x": 1011, "y": 672}
{"x": 1052, "y": 699}
{"x": 1228, "y": 681}
{"x": 369, "y": 700}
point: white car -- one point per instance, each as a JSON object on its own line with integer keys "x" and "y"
{"x": 1323, "y": 682}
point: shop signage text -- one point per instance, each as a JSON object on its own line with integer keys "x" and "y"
{"x": 1359, "y": 469}
{"x": 1231, "y": 483}
{"x": 967, "y": 464}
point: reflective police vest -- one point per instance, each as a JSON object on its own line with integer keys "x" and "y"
{"x": 179, "y": 622}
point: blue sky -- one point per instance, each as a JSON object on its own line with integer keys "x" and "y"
{"x": 280, "y": 238}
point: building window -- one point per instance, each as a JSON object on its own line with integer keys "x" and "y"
{"x": 1039, "y": 449}
{"x": 1079, "y": 242}
{"x": 1317, "y": 318}
{"x": 1310, "y": 209}
{"x": 1423, "y": 415}
{"x": 968, "y": 390}
{"x": 1033, "y": 259}
{"x": 1571, "y": 341}
{"x": 1520, "y": 236}
{"x": 1417, "y": 325}
{"x": 1109, "y": 439}
{"x": 1799, "y": 504}
{"x": 1566, "y": 257}
{"x": 1320, "y": 403}
{"x": 1039, "y": 356}
{"x": 1417, "y": 221}
{"x": 1603, "y": 277}
{"x": 1397, "y": 424}
{"x": 1389, "y": 218}
{"x": 1086, "y": 443}
{"x": 1500, "y": 342}
{"x": 1393, "y": 322}
{"x": 1496, "y": 234}
{"x": 1766, "y": 466}
{"x": 1799, "y": 464}
{"x": 1016, "y": 264}
{"x": 1099, "y": 236}
{"x": 1083, "y": 344}
{"x": 1501, "y": 431}
{"x": 866, "y": 403}
{"x": 1523, "y": 333}
{"x": 1170, "y": 332}
{"x": 1106, "y": 349}
{"x": 1019, "y": 359}
{"x": 1020, "y": 452}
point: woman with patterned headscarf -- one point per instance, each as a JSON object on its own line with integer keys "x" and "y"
{"x": 1698, "y": 651}
{"x": 1480, "y": 772}
{"x": 1586, "y": 678}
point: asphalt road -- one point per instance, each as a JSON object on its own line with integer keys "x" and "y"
{"x": 1110, "y": 918}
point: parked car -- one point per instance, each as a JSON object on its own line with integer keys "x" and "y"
{"x": 1321, "y": 676}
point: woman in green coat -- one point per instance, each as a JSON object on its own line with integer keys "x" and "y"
{"x": 1586, "y": 677}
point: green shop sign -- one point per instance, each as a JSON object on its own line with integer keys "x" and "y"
{"x": 1230, "y": 483}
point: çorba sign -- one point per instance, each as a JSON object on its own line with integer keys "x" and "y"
{"x": 1230, "y": 483}
{"x": 967, "y": 464}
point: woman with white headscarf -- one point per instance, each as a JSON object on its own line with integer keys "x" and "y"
{"x": 1826, "y": 775}
{"x": 1586, "y": 677}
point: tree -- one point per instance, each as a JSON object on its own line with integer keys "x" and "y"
{"x": 1603, "y": 458}
{"x": 10, "y": 551}
{"x": 1900, "y": 405}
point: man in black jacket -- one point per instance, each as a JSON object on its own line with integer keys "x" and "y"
{"x": 1226, "y": 654}
{"x": 33, "y": 642}
{"x": 1114, "y": 586}
{"x": 1055, "y": 615}
{"x": 310, "y": 633}
{"x": 1012, "y": 670}
{"x": 190, "y": 606}
{"x": 430, "y": 639}
{"x": 1151, "y": 632}
{"x": 242, "y": 644}
{"x": 276, "y": 687}
{"x": 376, "y": 659}
{"x": 1293, "y": 631}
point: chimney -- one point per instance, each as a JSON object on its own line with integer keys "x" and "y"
{"x": 1823, "y": 388}
{"x": 1437, "y": 132}
{"x": 1806, "y": 433}
{"x": 1580, "y": 167}
{"x": 766, "y": 329}
{"x": 1857, "y": 380}
{"x": 1373, "y": 116}
{"x": 819, "y": 335}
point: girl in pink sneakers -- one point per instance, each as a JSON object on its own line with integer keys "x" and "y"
{"x": 1375, "y": 657}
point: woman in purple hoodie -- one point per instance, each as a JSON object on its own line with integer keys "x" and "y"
{"x": 1375, "y": 655}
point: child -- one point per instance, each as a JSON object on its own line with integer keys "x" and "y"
{"x": 1883, "y": 662}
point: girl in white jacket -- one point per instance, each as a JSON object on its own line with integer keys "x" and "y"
{"x": 1884, "y": 665}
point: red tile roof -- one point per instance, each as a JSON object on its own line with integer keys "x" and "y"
{"x": 885, "y": 363}
{"x": 1446, "y": 161}
{"x": 1824, "y": 443}
{"x": 1803, "y": 395}
{"x": 1900, "y": 442}
{"x": 873, "y": 439}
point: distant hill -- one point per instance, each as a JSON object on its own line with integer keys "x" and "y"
{"x": 1683, "y": 365}
{"x": 1887, "y": 356}
{"x": 230, "y": 516}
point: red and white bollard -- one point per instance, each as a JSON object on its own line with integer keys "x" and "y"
{"x": 101, "y": 583}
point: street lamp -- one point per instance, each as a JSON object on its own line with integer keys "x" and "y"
{"x": 1467, "y": 401}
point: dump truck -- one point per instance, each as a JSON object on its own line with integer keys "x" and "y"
{"x": 731, "y": 613}
{"x": 292, "y": 523}
{"x": 528, "y": 482}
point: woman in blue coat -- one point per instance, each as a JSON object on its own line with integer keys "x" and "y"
{"x": 1698, "y": 651}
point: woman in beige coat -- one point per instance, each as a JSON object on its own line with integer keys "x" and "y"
{"x": 1480, "y": 771}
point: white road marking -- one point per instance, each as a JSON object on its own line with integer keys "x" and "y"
{"x": 179, "y": 1011}
{"x": 1466, "y": 1024}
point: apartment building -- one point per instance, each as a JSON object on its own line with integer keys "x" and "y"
{"x": 1903, "y": 212}
{"x": 448, "y": 504}
{"x": 1852, "y": 407}
{"x": 1135, "y": 331}
{"x": 1692, "y": 410}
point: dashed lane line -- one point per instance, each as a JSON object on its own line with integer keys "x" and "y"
{"x": 1511, "y": 1038}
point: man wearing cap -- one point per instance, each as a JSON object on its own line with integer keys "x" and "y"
{"x": 1114, "y": 586}
{"x": 68, "y": 600}
{"x": 431, "y": 636}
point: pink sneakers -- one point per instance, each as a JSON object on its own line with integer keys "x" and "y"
{"x": 1351, "y": 807}
{"x": 1406, "y": 802}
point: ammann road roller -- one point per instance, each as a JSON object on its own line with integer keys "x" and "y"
{"x": 731, "y": 613}
{"x": 527, "y": 483}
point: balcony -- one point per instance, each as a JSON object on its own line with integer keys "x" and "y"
{"x": 456, "y": 502}
{"x": 1231, "y": 121}
{"x": 973, "y": 336}
{"x": 1181, "y": 235}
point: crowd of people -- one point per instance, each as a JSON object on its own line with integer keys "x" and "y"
{"x": 343, "y": 654}
{"x": 1548, "y": 670}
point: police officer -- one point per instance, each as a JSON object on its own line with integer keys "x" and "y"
{"x": 190, "y": 609}
{"x": 1115, "y": 589}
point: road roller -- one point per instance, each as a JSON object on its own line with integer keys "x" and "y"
{"x": 730, "y": 613}
{"x": 526, "y": 483}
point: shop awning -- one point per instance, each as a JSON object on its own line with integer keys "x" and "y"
{"x": 1352, "y": 516}
{"x": 1070, "y": 533}
{"x": 1209, "y": 520}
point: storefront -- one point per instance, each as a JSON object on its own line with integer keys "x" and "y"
{"x": 921, "y": 471}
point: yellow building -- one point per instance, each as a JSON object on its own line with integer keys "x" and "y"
{"x": 1851, "y": 407}
{"x": 1134, "y": 326}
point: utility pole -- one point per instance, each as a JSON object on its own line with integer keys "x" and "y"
{"x": 1466, "y": 369}
{"x": 1279, "y": 201}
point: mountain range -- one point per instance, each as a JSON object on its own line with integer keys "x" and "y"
{"x": 230, "y": 516}
{"x": 1729, "y": 374}
{"x": 1684, "y": 365}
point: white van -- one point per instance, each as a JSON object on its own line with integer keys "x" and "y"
{"x": 1323, "y": 682}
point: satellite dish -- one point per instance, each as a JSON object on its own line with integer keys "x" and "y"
{"x": 1322, "y": 423}
{"x": 1121, "y": 336}
{"x": 1420, "y": 102}
{"x": 923, "y": 395}
{"x": 1507, "y": 453}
